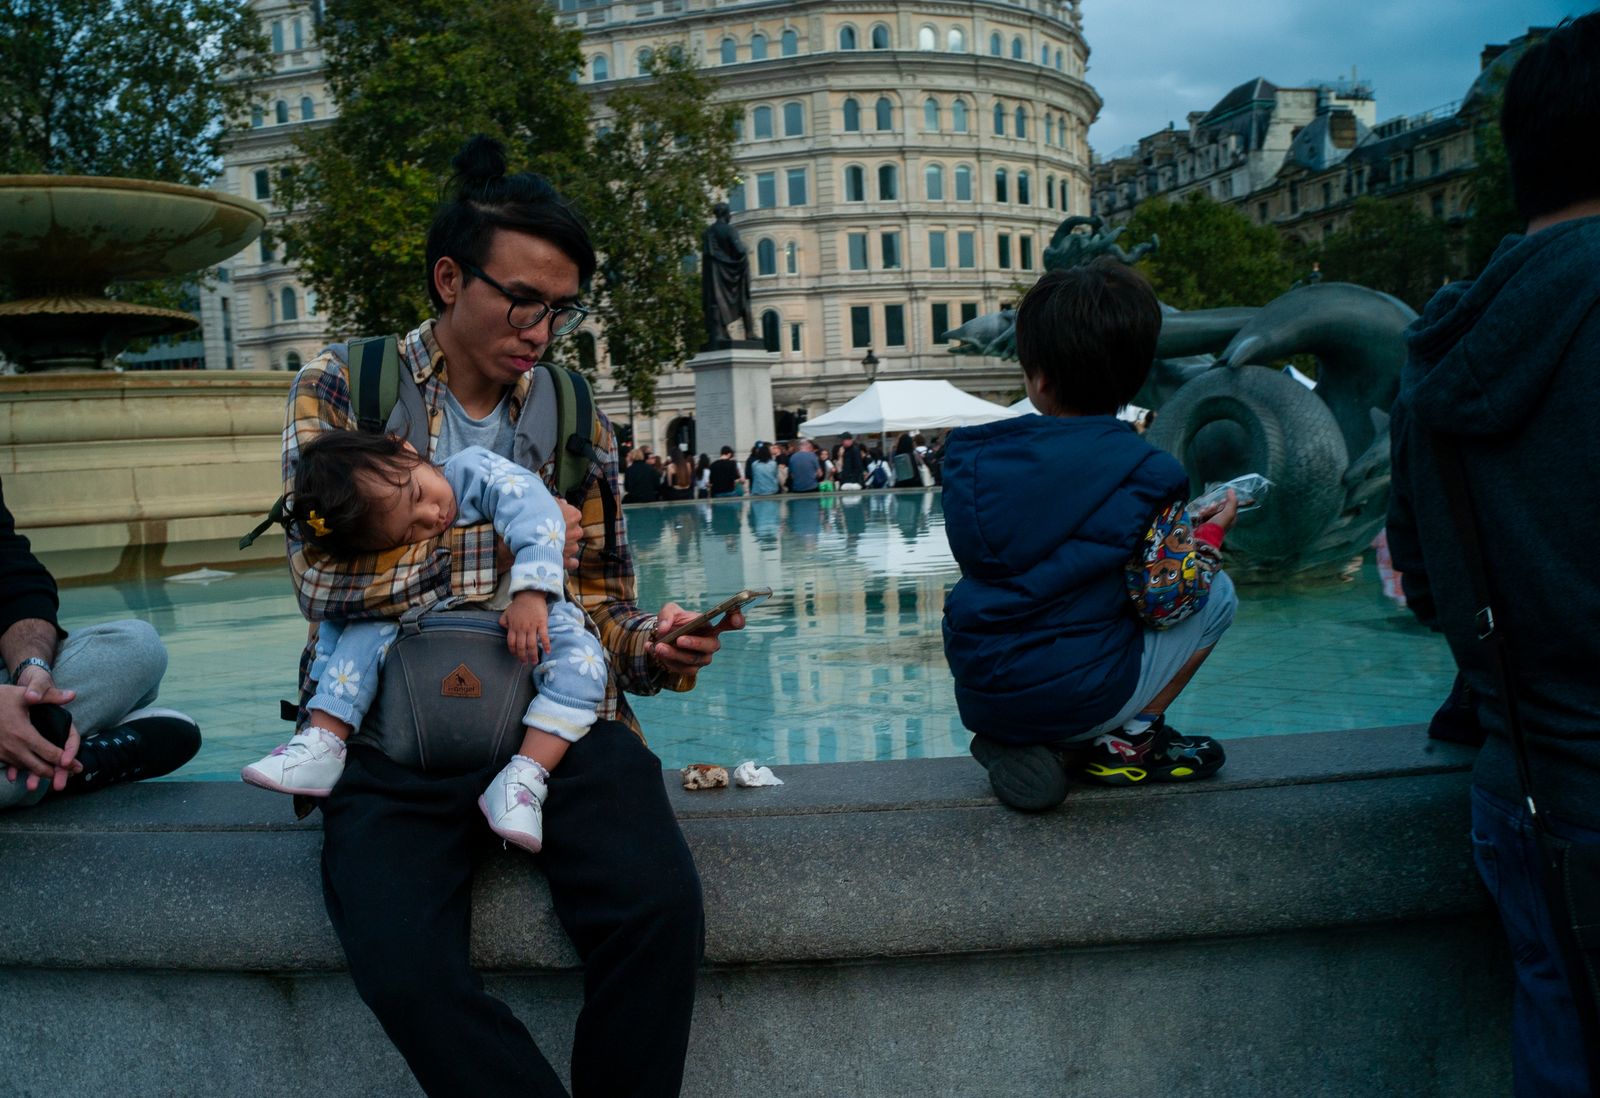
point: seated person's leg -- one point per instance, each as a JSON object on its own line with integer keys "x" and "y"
{"x": 116, "y": 669}
{"x": 1137, "y": 745}
{"x": 571, "y": 684}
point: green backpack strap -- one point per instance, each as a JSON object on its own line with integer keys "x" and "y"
{"x": 373, "y": 372}
{"x": 575, "y": 449}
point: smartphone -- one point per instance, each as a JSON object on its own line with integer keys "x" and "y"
{"x": 712, "y": 618}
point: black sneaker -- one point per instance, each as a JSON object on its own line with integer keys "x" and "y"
{"x": 147, "y": 744}
{"x": 1158, "y": 754}
{"x": 1029, "y": 778}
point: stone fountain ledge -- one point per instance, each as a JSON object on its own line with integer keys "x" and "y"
{"x": 1308, "y": 923}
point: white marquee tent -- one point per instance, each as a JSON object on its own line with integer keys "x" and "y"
{"x": 1131, "y": 413}
{"x": 888, "y": 406}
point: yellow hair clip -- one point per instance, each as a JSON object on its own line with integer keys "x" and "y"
{"x": 318, "y": 527}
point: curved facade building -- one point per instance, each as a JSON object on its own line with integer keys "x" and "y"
{"x": 902, "y": 168}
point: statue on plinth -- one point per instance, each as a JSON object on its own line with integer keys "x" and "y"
{"x": 724, "y": 281}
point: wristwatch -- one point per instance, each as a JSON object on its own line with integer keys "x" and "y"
{"x": 32, "y": 661}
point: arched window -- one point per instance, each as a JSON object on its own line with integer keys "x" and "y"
{"x": 888, "y": 182}
{"x": 311, "y": 303}
{"x": 602, "y": 67}
{"x": 766, "y": 257}
{"x": 1049, "y": 130}
{"x": 730, "y": 51}
{"x": 1063, "y": 194}
{"x": 999, "y": 120}
{"x": 791, "y": 258}
{"x": 287, "y": 308}
{"x": 258, "y": 117}
{"x": 794, "y": 122}
{"x": 761, "y": 123}
{"x": 1058, "y": 60}
{"x": 282, "y": 111}
{"x": 586, "y": 352}
{"x": 789, "y": 44}
{"x": 1022, "y": 124}
{"x": 933, "y": 182}
{"x": 958, "y": 116}
{"x": 852, "y": 116}
{"x": 847, "y": 38}
{"x": 758, "y": 47}
{"x": 994, "y": 45}
{"x": 299, "y": 34}
{"x": 956, "y": 40}
{"x": 930, "y": 115}
{"x": 855, "y": 183}
{"x": 1050, "y": 191}
{"x": 769, "y": 329}
{"x": 291, "y": 361}
{"x": 1024, "y": 189}
{"x": 277, "y": 36}
{"x": 927, "y": 39}
{"x": 1016, "y": 49}
{"x": 880, "y": 37}
{"x": 1044, "y": 54}
{"x": 885, "y": 113}
{"x": 643, "y": 58}
{"x": 308, "y": 109}
{"x": 963, "y": 183}
{"x": 1002, "y": 192}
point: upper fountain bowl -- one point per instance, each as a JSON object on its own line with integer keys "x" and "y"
{"x": 76, "y": 232}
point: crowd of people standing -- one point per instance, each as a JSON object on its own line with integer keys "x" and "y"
{"x": 771, "y": 468}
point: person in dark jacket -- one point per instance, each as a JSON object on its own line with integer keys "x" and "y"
{"x": 1508, "y": 366}
{"x": 1074, "y": 626}
{"x": 852, "y": 466}
{"x": 641, "y": 481}
{"x": 103, "y": 678}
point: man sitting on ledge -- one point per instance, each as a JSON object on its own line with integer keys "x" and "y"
{"x": 102, "y": 678}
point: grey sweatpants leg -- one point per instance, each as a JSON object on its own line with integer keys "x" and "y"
{"x": 115, "y": 668}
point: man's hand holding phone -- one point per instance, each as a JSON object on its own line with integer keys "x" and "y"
{"x": 687, "y": 641}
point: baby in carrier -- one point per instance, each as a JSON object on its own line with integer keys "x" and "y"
{"x": 357, "y": 493}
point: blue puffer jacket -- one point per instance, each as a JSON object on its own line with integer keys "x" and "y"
{"x": 1042, "y": 513}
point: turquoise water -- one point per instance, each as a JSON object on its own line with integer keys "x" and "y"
{"x": 845, "y": 663}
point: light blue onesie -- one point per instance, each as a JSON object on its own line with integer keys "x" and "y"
{"x": 570, "y": 678}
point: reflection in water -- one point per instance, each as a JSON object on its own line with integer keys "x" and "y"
{"x": 845, "y": 662}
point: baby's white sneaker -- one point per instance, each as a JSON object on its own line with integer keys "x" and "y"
{"x": 514, "y": 803}
{"x": 308, "y": 765}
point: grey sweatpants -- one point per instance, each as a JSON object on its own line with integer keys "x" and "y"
{"x": 115, "y": 668}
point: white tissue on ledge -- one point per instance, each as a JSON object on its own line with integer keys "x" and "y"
{"x": 749, "y": 775}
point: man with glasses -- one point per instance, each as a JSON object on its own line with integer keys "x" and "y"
{"x": 507, "y": 261}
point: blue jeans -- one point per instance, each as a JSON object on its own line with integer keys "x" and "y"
{"x": 1547, "y": 1054}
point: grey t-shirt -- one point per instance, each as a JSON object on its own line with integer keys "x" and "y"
{"x": 494, "y": 432}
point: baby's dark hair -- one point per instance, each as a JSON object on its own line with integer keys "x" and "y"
{"x": 1091, "y": 331}
{"x": 330, "y": 509}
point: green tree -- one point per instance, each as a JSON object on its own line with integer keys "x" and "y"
{"x": 411, "y": 82}
{"x": 653, "y": 166}
{"x": 1211, "y": 256}
{"x": 1390, "y": 246}
{"x": 137, "y": 88}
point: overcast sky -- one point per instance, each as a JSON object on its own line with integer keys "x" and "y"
{"x": 1154, "y": 61}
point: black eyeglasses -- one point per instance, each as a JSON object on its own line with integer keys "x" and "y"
{"x": 525, "y": 312}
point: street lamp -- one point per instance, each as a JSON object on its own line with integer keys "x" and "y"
{"x": 870, "y": 364}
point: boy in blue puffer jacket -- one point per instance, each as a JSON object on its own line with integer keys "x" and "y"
{"x": 1089, "y": 596}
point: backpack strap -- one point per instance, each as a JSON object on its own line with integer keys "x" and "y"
{"x": 575, "y": 453}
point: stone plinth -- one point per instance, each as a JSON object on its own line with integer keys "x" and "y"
{"x": 732, "y": 398}
{"x": 172, "y": 468}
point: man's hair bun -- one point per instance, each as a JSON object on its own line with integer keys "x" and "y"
{"x": 482, "y": 160}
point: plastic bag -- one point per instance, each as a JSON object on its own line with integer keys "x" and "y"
{"x": 1250, "y": 489}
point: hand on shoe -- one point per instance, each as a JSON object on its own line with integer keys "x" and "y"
{"x": 692, "y": 651}
{"x": 22, "y": 749}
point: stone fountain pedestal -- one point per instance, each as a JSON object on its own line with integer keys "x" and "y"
{"x": 732, "y": 396}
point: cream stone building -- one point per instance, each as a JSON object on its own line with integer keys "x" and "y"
{"x": 903, "y": 166}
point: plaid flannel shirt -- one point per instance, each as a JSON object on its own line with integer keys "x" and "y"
{"x": 462, "y": 561}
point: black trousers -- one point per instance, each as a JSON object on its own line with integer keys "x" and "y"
{"x": 397, "y": 861}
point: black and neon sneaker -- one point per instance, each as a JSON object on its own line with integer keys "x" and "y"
{"x": 1030, "y": 778}
{"x": 1158, "y": 754}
